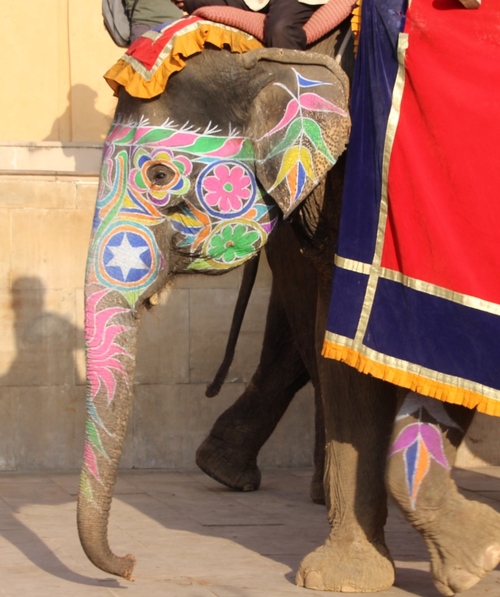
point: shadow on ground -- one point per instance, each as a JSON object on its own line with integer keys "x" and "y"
{"x": 193, "y": 537}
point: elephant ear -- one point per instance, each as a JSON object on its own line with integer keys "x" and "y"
{"x": 300, "y": 125}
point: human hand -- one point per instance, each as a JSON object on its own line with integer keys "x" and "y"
{"x": 471, "y": 3}
{"x": 179, "y": 3}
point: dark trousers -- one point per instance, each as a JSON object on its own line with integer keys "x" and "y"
{"x": 283, "y": 27}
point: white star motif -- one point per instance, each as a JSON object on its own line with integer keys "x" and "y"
{"x": 127, "y": 257}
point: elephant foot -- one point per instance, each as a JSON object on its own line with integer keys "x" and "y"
{"x": 357, "y": 566}
{"x": 464, "y": 543}
{"x": 222, "y": 462}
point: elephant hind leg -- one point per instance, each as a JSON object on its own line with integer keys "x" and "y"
{"x": 229, "y": 453}
{"x": 219, "y": 461}
{"x": 462, "y": 536}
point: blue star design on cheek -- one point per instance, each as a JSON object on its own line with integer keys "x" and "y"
{"x": 127, "y": 257}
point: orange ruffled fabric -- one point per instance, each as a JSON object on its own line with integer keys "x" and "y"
{"x": 149, "y": 62}
{"x": 405, "y": 379}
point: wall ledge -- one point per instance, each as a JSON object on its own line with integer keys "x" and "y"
{"x": 50, "y": 157}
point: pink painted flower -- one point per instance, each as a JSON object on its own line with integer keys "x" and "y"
{"x": 228, "y": 188}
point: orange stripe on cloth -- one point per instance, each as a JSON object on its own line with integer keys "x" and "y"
{"x": 147, "y": 83}
{"x": 412, "y": 381}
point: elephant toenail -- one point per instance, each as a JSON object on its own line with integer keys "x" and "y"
{"x": 314, "y": 580}
{"x": 491, "y": 557}
{"x": 249, "y": 487}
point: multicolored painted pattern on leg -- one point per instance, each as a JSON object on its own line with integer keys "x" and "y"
{"x": 421, "y": 442}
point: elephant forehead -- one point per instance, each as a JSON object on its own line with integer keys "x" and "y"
{"x": 178, "y": 140}
{"x": 191, "y": 162}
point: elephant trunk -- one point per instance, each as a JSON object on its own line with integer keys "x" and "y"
{"x": 111, "y": 338}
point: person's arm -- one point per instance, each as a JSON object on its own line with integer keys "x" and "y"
{"x": 189, "y": 6}
{"x": 471, "y": 3}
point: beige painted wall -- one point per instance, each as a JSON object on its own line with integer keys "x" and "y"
{"x": 59, "y": 51}
{"x": 55, "y": 117}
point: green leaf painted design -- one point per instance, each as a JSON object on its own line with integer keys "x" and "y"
{"x": 85, "y": 487}
{"x": 205, "y": 145}
{"x": 93, "y": 435}
{"x": 155, "y": 135}
{"x": 313, "y": 131}
{"x": 132, "y": 295}
{"x": 126, "y": 139}
{"x": 292, "y": 134}
{"x": 139, "y": 181}
{"x": 247, "y": 151}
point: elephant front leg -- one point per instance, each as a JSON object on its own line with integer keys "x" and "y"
{"x": 463, "y": 536}
{"x": 359, "y": 415}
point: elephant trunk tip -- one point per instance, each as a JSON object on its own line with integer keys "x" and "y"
{"x": 129, "y": 562}
{"x": 101, "y": 556}
{"x": 119, "y": 566}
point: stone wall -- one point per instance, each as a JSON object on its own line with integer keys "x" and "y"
{"x": 45, "y": 224}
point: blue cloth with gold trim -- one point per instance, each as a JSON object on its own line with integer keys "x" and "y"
{"x": 416, "y": 290}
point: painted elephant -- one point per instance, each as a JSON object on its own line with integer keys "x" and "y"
{"x": 236, "y": 153}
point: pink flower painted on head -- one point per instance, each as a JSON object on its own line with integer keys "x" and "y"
{"x": 228, "y": 188}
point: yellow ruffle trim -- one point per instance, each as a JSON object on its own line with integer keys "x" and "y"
{"x": 412, "y": 381}
{"x": 184, "y": 45}
{"x": 356, "y": 23}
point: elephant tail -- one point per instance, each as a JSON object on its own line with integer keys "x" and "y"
{"x": 247, "y": 282}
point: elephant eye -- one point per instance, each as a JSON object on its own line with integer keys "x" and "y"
{"x": 160, "y": 175}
